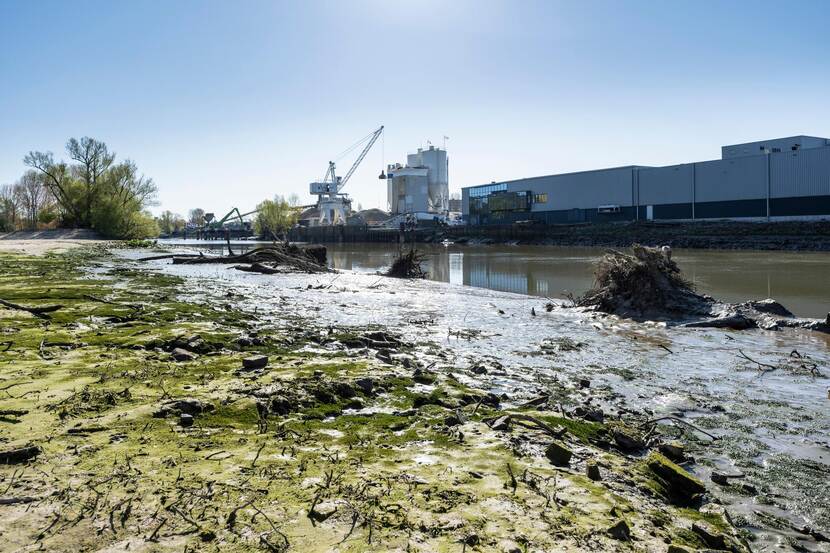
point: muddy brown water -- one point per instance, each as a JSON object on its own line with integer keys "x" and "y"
{"x": 796, "y": 279}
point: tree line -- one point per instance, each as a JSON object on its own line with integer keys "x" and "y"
{"x": 272, "y": 220}
{"x": 90, "y": 190}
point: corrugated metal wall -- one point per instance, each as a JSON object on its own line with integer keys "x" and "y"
{"x": 742, "y": 178}
{"x": 585, "y": 190}
{"x": 801, "y": 173}
{"x": 735, "y": 187}
{"x": 666, "y": 185}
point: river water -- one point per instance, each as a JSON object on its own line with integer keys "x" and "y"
{"x": 773, "y": 428}
{"x": 799, "y": 280}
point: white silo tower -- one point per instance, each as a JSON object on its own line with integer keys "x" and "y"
{"x": 438, "y": 191}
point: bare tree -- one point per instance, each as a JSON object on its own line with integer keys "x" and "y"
{"x": 9, "y": 207}
{"x": 58, "y": 180}
{"x": 197, "y": 217}
{"x": 33, "y": 196}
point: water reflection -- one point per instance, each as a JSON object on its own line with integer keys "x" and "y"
{"x": 796, "y": 279}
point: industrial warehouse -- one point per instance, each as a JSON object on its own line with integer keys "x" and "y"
{"x": 778, "y": 179}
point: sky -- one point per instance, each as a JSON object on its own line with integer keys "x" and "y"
{"x": 225, "y": 104}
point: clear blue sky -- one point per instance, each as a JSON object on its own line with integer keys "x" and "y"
{"x": 225, "y": 103}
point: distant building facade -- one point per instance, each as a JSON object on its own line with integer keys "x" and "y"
{"x": 783, "y": 178}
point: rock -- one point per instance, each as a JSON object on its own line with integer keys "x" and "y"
{"x": 592, "y": 471}
{"x": 281, "y": 406}
{"x": 558, "y": 454}
{"x": 354, "y": 403}
{"x": 188, "y": 405}
{"x": 709, "y": 534}
{"x": 620, "y": 531}
{"x": 185, "y": 420}
{"x": 734, "y": 322}
{"x": 243, "y": 342}
{"x": 455, "y": 419}
{"x": 19, "y": 455}
{"x": 501, "y": 423}
{"x": 180, "y": 354}
{"x": 747, "y": 489}
{"x": 719, "y": 478}
{"x": 365, "y": 384}
{"x": 675, "y": 451}
{"x": 588, "y": 413}
{"x": 472, "y": 540}
{"x": 771, "y": 307}
{"x": 678, "y": 549}
{"x": 679, "y": 487}
{"x": 344, "y": 390}
{"x": 423, "y": 377}
{"x": 255, "y": 362}
{"x": 479, "y": 369}
{"x": 627, "y": 442}
{"x": 323, "y": 511}
{"x": 584, "y": 383}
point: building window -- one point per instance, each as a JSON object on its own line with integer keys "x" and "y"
{"x": 540, "y": 198}
{"x": 486, "y": 190}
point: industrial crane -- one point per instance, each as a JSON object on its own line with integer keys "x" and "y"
{"x": 331, "y": 202}
{"x": 210, "y": 223}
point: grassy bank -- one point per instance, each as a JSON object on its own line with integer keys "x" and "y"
{"x": 147, "y": 423}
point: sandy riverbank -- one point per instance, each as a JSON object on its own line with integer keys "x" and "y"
{"x": 42, "y": 241}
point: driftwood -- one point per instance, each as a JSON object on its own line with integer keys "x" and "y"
{"x": 17, "y": 500}
{"x": 19, "y": 455}
{"x": 39, "y": 312}
{"x": 169, "y": 256}
{"x": 268, "y": 260}
{"x": 644, "y": 283}
{"x": 407, "y": 265}
{"x": 257, "y": 268}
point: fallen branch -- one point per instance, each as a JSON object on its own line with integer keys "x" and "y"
{"x": 17, "y": 500}
{"x": 690, "y": 425}
{"x": 39, "y": 312}
{"x": 257, "y": 268}
{"x": 769, "y": 367}
{"x": 169, "y": 256}
{"x": 19, "y": 455}
{"x": 110, "y": 302}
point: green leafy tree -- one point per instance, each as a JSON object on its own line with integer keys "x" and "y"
{"x": 97, "y": 192}
{"x": 274, "y": 217}
{"x": 170, "y": 222}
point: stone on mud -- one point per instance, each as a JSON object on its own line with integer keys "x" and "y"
{"x": 255, "y": 362}
{"x": 365, "y": 384}
{"x": 710, "y": 536}
{"x": 180, "y": 354}
{"x": 19, "y": 455}
{"x": 678, "y": 486}
{"x": 501, "y": 423}
{"x": 188, "y": 405}
{"x": 186, "y": 420}
{"x": 558, "y": 454}
{"x": 732, "y": 322}
{"x": 323, "y": 511}
{"x": 628, "y": 442}
{"x": 592, "y": 471}
{"x": 675, "y": 451}
{"x": 620, "y": 531}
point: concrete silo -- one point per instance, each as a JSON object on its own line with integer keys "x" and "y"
{"x": 420, "y": 186}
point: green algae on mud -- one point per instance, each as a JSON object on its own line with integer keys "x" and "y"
{"x": 323, "y": 451}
